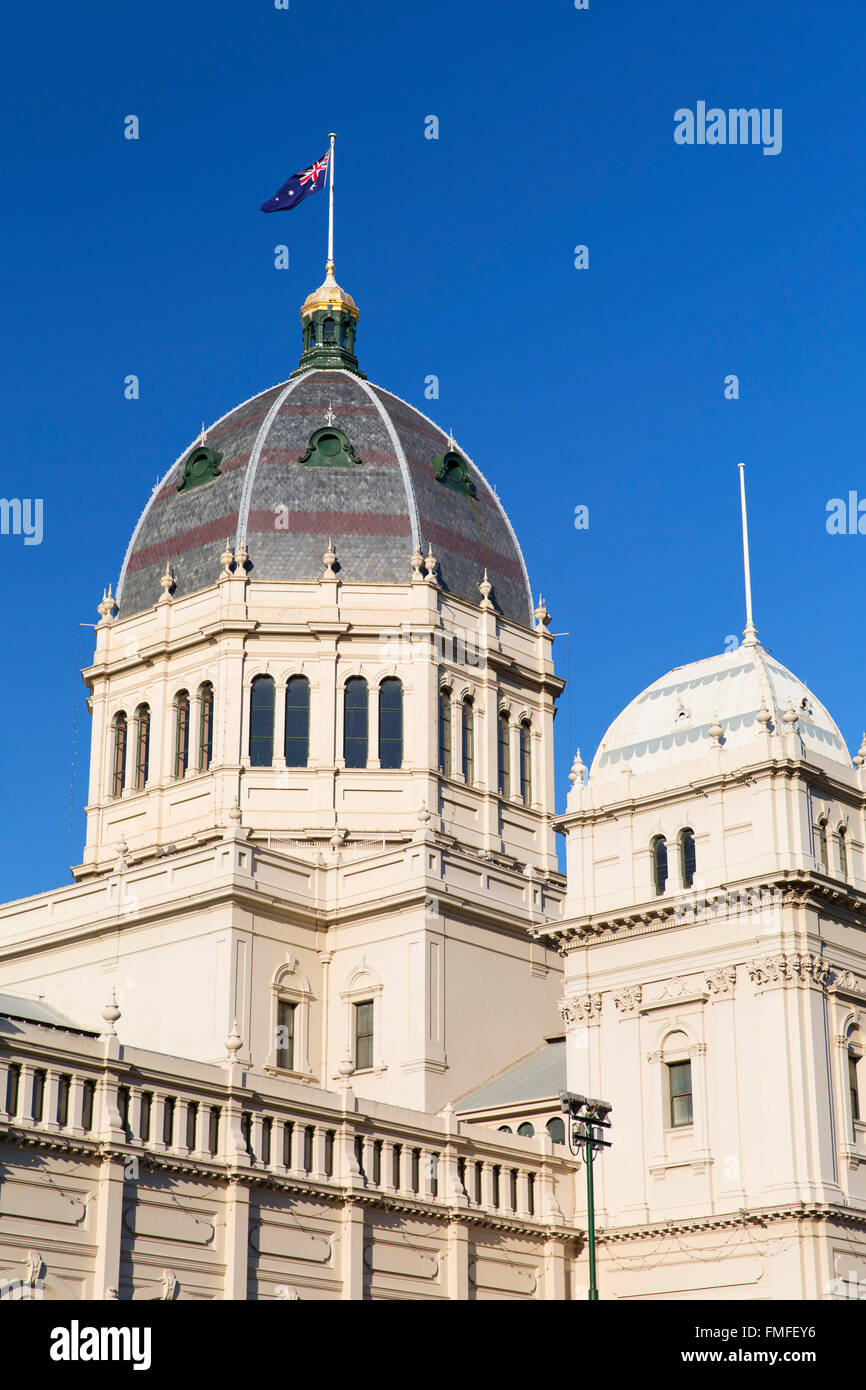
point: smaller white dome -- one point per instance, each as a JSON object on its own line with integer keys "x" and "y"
{"x": 669, "y": 723}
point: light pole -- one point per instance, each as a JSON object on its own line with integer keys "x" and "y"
{"x": 586, "y": 1115}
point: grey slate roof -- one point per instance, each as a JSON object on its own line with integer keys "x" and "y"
{"x": 536, "y": 1077}
{"x": 376, "y": 511}
{"x": 35, "y": 1011}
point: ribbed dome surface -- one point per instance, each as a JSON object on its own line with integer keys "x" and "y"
{"x": 668, "y": 724}
{"x": 377, "y": 510}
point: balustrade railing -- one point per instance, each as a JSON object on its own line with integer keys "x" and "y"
{"x": 226, "y": 1117}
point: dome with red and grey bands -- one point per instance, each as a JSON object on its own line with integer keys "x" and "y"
{"x": 376, "y": 511}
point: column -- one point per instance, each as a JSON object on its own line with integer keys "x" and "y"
{"x": 109, "y": 1216}
{"x": 237, "y": 1239}
{"x": 279, "y": 759}
{"x": 352, "y": 1252}
{"x": 457, "y": 1262}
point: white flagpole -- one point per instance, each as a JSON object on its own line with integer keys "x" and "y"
{"x": 750, "y": 634}
{"x": 330, "y": 266}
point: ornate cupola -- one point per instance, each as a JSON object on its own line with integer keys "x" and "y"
{"x": 329, "y": 318}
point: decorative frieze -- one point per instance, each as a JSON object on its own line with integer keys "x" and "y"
{"x": 627, "y": 1000}
{"x": 785, "y": 969}
{"x": 580, "y": 1009}
{"x": 722, "y": 980}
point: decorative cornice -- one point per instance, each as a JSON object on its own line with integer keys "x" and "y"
{"x": 759, "y": 1217}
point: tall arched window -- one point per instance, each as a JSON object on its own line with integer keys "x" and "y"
{"x": 525, "y": 763}
{"x": 391, "y": 723}
{"x": 328, "y": 330}
{"x": 503, "y": 754}
{"x": 262, "y": 704}
{"x": 118, "y": 768}
{"x": 181, "y": 733}
{"x": 355, "y": 722}
{"x": 297, "y": 722}
{"x": 205, "y": 727}
{"x": 467, "y": 722}
{"x": 659, "y": 851}
{"x": 445, "y": 731}
{"x": 821, "y": 845}
{"x": 688, "y": 861}
{"x": 142, "y": 746}
{"x": 842, "y": 843}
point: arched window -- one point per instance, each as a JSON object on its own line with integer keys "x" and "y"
{"x": 556, "y": 1129}
{"x": 505, "y": 1129}
{"x": 854, "y": 1085}
{"x": 821, "y": 845}
{"x": 680, "y": 1108}
{"x": 142, "y": 746}
{"x": 527, "y": 1130}
{"x": 355, "y": 722}
{"x": 118, "y": 770}
{"x": 297, "y": 722}
{"x": 445, "y": 731}
{"x": 262, "y": 705}
{"x": 525, "y": 763}
{"x": 328, "y": 330}
{"x": 205, "y": 727}
{"x": 181, "y": 733}
{"x": 503, "y": 754}
{"x": 687, "y": 857}
{"x": 842, "y": 843}
{"x": 467, "y": 721}
{"x": 659, "y": 851}
{"x": 391, "y": 723}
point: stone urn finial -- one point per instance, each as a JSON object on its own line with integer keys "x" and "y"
{"x": 111, "y": 1013}
{"x": 233, "y": 1042}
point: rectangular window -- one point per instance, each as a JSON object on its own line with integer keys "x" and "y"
{"x": 503, "y": 751}
{"x": 364, "y": 1035}
{"x": 445, "y": 732}
{"x": 286, "y": 1034}
{"x": 468, "y": 723}
{"x": 680, "y": 1091}
{"x": 853, "y": 1087}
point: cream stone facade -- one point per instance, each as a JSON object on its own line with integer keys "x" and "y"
{"x": 295, "y": 1030}
{"x": 716, "y": 986}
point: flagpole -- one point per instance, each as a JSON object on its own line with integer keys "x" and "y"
{"x": 329, "y": 269}
{"x": 750, "y": 633}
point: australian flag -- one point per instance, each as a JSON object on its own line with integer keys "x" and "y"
{"x": 299, "y": 186}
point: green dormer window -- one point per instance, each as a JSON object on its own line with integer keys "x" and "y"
{"x": 201, "y": 466}
{"x": 328, "y": 448}
{"x": 452, "y": 471}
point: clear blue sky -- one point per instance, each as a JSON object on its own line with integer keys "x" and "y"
{"x": 601, "y": 387}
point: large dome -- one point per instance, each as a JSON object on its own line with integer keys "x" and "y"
{"x": 404, "y": 485}
{"x": 669, "y": 724}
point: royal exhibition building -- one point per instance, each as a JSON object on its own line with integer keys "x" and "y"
{"x": 319, "y": 1016}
